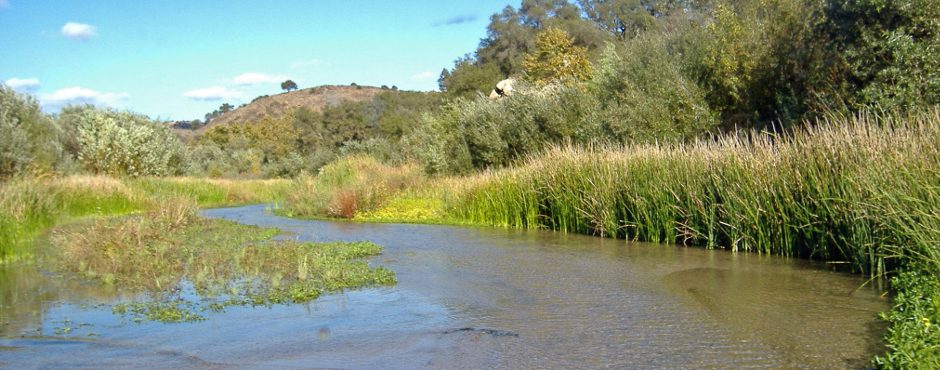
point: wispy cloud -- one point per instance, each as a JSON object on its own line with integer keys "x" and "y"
{"x": 457, "y": 20}
{"x": 27, "y": 85}
{"x": 214, "y": 93}
{"x": 79, "y": 95}
{"x": 314, "y": 62}
{"x": 424, "y": 76}
{"x": 78, "y": 31}
{"x": 4, "y": 4}
{"x": 249, "y": 79}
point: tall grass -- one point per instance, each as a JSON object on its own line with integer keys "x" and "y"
{"x": 30, "y": 203}
{"x": 26, "y": 208}
{"x": 862, "y": 190}
{"x": 350, "y": 185}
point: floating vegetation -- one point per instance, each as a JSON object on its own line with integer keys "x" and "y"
{"x": 190, "y": 265}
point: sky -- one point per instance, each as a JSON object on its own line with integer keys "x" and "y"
{"x": 178, "y": 60}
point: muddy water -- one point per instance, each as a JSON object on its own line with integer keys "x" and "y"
{"x": 470, "y": 298}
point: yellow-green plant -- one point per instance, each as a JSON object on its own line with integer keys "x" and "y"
{"x": 556, "y": 59}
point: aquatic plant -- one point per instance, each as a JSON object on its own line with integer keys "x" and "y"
{"x": 171, "y": 247}
{"x": 860, "y": 190}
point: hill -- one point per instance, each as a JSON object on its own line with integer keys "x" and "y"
{"x": 315, "y": 98}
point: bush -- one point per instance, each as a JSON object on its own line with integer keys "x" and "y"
{"x": 645, "y": 96}
{"x": 28, "y": 138}
{"x": 124, "y": 143}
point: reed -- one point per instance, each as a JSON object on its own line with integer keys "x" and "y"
{"x": 861, "y": 190}
{"x": 27, "y": 209}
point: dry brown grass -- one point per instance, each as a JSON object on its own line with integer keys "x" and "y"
{"x": 276, "y": 105}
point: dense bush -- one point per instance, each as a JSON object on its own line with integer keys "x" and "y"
{"x": 888, "y": 50}
{"x": 124, "y": 143}
{"x": 645, "y": 96}
{"x": 28, "y": 138}
{"x": 637, "y": 95}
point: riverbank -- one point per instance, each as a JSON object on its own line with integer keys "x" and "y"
{"x": 861, "y": 192}
{"x": 34, "y": 202}
{"x": 146, "y": 237}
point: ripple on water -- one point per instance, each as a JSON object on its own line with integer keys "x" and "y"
{"x": 470, "y": 298}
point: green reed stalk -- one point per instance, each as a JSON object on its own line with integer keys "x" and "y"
{"x": 822, "y": 192}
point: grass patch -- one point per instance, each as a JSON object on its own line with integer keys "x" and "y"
{"x": 350, "y": 186}
{"x": 31, "y": 203}
{"x": 27, "y": 210}
{"x": 171, "y": 249}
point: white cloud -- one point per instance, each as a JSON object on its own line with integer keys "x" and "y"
{"x": 314, "y": 62}
{"x": 213, "y": 94}
{"x": 424, "y": 76}
{"x": 249, "y": 79}
{"x": 78, "y": 31}
{"x": 4, "y": 4}
{"x": 78, "y": 95}
{"x": 27, "y": 85}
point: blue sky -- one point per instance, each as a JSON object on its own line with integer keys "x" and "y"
{"x": 178, "y": 60}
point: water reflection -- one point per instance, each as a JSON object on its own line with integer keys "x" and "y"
{"x": 498, "y": 298}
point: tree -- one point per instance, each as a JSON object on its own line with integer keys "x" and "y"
{"x": 622, "y": 18}
{"x": 124, "y": 143}
{"x": 888, "y": 50}
{"x": 468, "y": 77}
{"x": 288, "y": 85}
{"x": 557, "y": 59}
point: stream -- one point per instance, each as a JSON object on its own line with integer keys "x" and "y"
{"x": 471, "y": 298}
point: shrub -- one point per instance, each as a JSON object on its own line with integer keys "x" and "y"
{"x": 27, "y": 136}
{"x": 125, "y": 143}
{"x": 645, "y": 96}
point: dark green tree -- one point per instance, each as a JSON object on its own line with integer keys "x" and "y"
{"x": 288, "y": 85}
{"x": 469, "y": 77}
{"x": 888, "y": 50}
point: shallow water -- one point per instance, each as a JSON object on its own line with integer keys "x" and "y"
{"x": 470, "y": 298}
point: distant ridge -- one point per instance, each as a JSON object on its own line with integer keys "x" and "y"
{"x": 315, "y": 99}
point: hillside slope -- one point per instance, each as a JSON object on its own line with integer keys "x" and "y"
{"x": 315, "y": 99}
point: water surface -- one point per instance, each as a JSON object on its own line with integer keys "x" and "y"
{"x": 470, "y": 298}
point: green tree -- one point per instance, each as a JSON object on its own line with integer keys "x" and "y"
{"x": 557, "y": 59}
{"x": 469, "y": 77}
{"x": 889, "y": 50}
{"x": 288, "y": 85}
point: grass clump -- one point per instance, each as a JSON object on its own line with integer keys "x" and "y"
{"x": 349, "y": 186}
{"x": 27, "y": 210}
{"x": 171, "y": 249}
